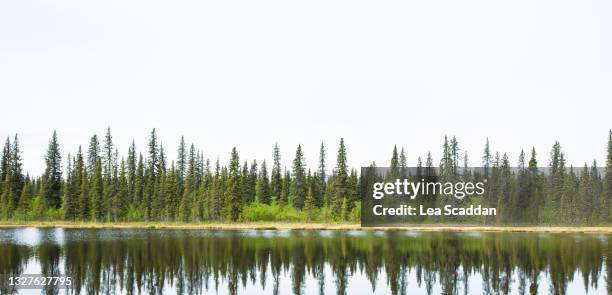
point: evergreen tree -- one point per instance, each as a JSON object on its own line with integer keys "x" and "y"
{"x": 131, "y": 172}
{"x": 216, "y": 193}
{"x": 139, "y": 183}
{"x": 181, "y": 159}
{"x": 16, "y": 167}
{"x": 263, "y": 186}
{"x": 107, "y": 157}
{"x": 76, "y": 182}
{"x": 403, "y": 161}
{"x": 568, "y": 199}
{"x": 340, "y": 179}
{"x": 24, "y": 201}
{"x": 186, "y": 202}
{"x": 286, "y": 188}
{"x": 93, "y": 153}
{"x": 606, "y": 200}
{"x": 232, "y": 193}
{"x": 69, "y": 192}
{"x": 486, "y": 159}
{"x": 394, "y": 165}
{"x": 5, "y": 161}
{"x": 321, "y": 177}
{"x": 84, "y": 201}
{"x": 97, "y": 193}
{"x": 7, "y": 195}
{"x": 276, "y": 181}
{"x": 310, "y": 208}
{"x": 298, "y": 186}
{"x": 153, "y": 154}
{"x": 53, "y": 174}
{"x": 120, "y": 199}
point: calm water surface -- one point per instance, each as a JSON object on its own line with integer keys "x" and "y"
{"x": 143, "y": 261}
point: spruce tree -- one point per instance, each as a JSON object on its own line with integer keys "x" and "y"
{"x": 298, "y": 186}
{"x": 139, "y": 183}
{"x": 263, "y": 189}
{"x": 276, "y": 181}
{"x": 486, "y": 159}
{"x": 84, "y": 201}
{"x": 606, "y": 200}
{"x": 97, "y": 193}
{"x": 120, "y": 199}
{"x": 321, "y": 177}
{"x": 394, "y": 165}
{"x": 16, "y": 171}
{"x": 232, "y": 194}
{"x": 340, "y": 179}
{"x": 181, "y": 159}
{"x": 403, "y": 161}
{"x": 69, "y": 192}
{"x": 310, "y": 207}
{"x": 5, "y": 161}
{"x": 93, "y": 153}
{"x": 286, "y": 189}
{"x": 24, "y": 201}
{"x": 53, "y": 174}
{"x": 131, "y": 172}
{"x": 76, "y": 182}
{"x": 107, "y": 156}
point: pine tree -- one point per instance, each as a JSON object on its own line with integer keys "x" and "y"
{"x": 232, "y": 193}
{"x": 606, "y": 200}
{"x": 107, "y": 157}
{"x": 53, "y": 174}
{"x": 5, "y": 161}
{"x": 403, "y": 161}
{"x": 120, "y": 199}
{"x": 394, "y": 171}
{"x": 131, "y": 172}
{"x": 69, "y": 192}
{"x": 344, "y": 210}
{"x": 216, "y": 193}
{"x": 153, "y": 159}
{"x": 186, "y": 202}
{"x": 310, "y": 207}
{"x": 16, "y": 171}
{"x": 263, "y": 186}
{"x": 97, "y": 193}
{"x": 181, "y": 159}
{"x": 276, "y": 181}
{"x": 340, "y": 179}
{"x": 76, "y": 181}
{"x": 7, "y": 195}
{"x": 93, "y": 153}
{"x": 569, "y": 202}
{"x": 139, "y": 183}
{"x": 486, "y": 159}
{"x": 84, "y": 201}
{"x": 298, "y": 186}
{"x": 286, "y": 188}
{"x": 321, "y": 177}
{"x": 24, "y": 201}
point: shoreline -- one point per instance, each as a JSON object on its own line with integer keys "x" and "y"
{"x": 312, "y": 226}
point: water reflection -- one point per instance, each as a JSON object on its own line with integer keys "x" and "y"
{"x": 325, "y": 262}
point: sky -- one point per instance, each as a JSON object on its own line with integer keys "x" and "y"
{"x": 252, "y": 73}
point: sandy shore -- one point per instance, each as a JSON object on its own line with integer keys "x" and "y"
{"x": 313, "y": 226}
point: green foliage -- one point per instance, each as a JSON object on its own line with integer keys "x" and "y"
{"x": 143, "y": 188}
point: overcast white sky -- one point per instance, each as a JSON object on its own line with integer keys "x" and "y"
{"x": 252, "y": 73}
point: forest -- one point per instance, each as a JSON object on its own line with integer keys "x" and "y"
{"x": 99, "y": 185}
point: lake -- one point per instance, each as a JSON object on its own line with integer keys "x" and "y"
{"x": 169, "y": 261}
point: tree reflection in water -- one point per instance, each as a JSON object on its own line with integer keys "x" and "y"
{"x": 194, "y": 261}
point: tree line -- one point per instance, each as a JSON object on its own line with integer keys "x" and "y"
{"x": 97, "y": 185}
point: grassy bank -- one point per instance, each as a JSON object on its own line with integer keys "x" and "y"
{"x": 309, "y": 226}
